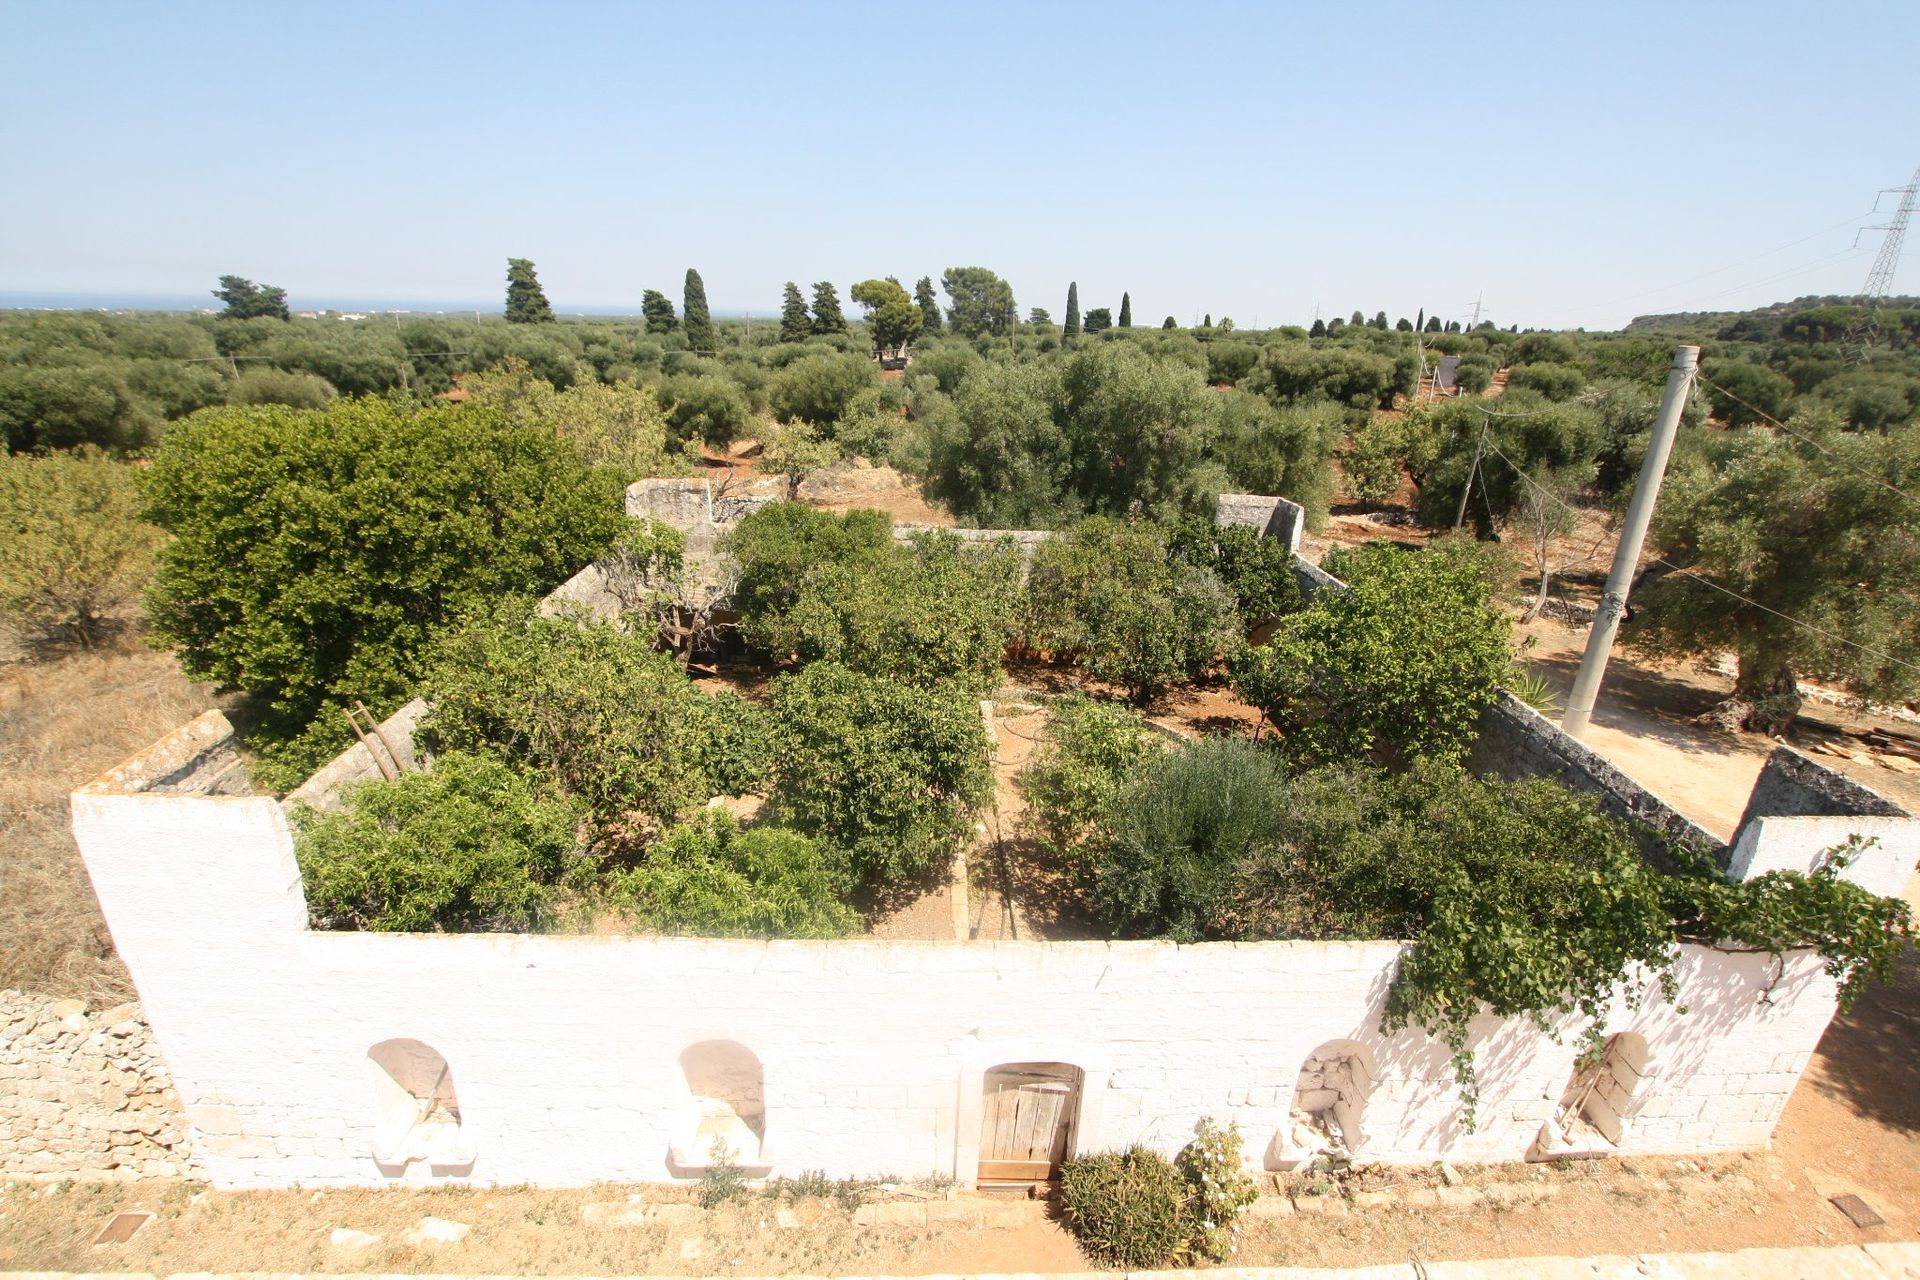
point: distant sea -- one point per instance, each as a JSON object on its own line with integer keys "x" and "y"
{"x": 14, "y": 299}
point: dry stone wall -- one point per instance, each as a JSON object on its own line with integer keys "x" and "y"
{"x": 84, "y": 1094}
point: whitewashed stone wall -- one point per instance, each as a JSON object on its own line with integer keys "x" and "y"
{"x": 564, "y": 1054}
{"x": 83, "y": 1094}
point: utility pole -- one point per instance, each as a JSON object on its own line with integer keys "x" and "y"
{"x": 1613, "y": 601}
{"x": 1460, "y": 516}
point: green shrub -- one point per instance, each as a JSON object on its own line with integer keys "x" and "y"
{"x": 702, "y": 407}
{"x": 1398, "y": 666}
{"x": 469, "y": 846}
{"x": 1106, "y": 596}
{"x": 1373, "y": 461}
{"x": 779, "y": 545}
{"x": 1072, "y": 781}
{"x": 611, "y": 720}
{"x": 938, "y": 610}
{"x": 710, "y": 878}
{"x": 886, "y": 771}
{"x": 77, "y": 552}
{"x": 1281, "y": 451}
{"x": 1218, "y": 1188}
{"x": 1257, "y": 570}
{"x": 317, "y": 554}
{"x": 1181, "y": 830}
{"x": 1127, "y": 1208}
{"x": 1554, "y": 381}
{"x": 818, "y": 389}
{"x": 267, "y": 385}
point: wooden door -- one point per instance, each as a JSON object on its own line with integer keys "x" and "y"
{"x": 1026, "y": 1122}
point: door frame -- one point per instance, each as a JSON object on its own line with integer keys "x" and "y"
{"x": 1085, "y": 1133}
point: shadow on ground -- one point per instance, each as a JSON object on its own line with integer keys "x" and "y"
{"x": 1870, "y": 1056}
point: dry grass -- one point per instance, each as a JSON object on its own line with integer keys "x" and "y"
{"x": 62, "y": 721}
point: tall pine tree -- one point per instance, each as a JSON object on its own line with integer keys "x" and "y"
{"x": 1126, "y": 311}
{"x": 827, "y": 317}
{"x": 929, "y": 305}
{"x": 526, "y": 301}
{"x": 794, "y": 324}
{"x": 694, "y": 314}
{"x": 1071, "y": 328}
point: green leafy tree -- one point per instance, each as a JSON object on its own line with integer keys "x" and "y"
{"x": 1403, "y": 325}
{"x": 712, "y": 879}
{"x": 1039, "y": 315}
{"x": 526, "y": 300}
{"x": 886, "y": 771}
{"x": 246, "y": 300}
{"x": 1813, "y": 533}
{"x": 1072, "y": 781}
{"x": 940, "y": 610}
{"x": 1108, "y": 597}
{"x": 979, "y": 302}
{"x": 1168, "y": 323}
{"x": 77, "y": 550}
{"x": 315, "y": 554}
{"x": 827, "y": 316}
{"x": 595, "y": 708}
{"x": 621, "y": 427}
{"x": 693, "y": 311}
{"x": 821, "y": 388}
{"x": 1398, "y": 666}
{"x": 795, "y": 324}
{"x": 777, "y": 546}
{"x": 1098, "y": 320}
{"x": 467, "y": 847}
{"x": 1285, "y": 451}
{"x": 658, "y": 309}
{"x": 1126, "y": 311}
{"x": 1380, "y": 321}
{"x": 1071, "y": 328}
{"x": 1319, "y": 329}
{"x": 1752, "y": 393}
{"x": 1432, "y": 325}
{"x": 929, "y": 304}
{"x": 892, "y": 318}
{"x": 1357, "y": 321}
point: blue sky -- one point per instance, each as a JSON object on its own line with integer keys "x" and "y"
{"x": 1573, "y": 165}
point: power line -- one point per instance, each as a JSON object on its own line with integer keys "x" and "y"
{"x": 1811, "y": 442}
{"x": 1709, "y": 582}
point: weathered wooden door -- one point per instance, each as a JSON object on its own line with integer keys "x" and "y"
{"x": 1026, "y": 1122}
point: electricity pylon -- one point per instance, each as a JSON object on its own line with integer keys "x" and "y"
{"x": 1866, "y": 331}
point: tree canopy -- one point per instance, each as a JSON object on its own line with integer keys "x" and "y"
{"x": 246, "y": 300}
{"x": 978, "y": 302}
{"x": 526, "y": 301}
{"x": 892, "y": 318}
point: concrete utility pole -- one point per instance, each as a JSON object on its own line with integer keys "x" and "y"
{"x": 1613, "y": 601}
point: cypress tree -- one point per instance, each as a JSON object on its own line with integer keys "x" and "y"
{"x": 794, "y": 324}
{"x": 1126, "y": 311}
{"x": 1207, "y": 323}
{"x": 827, "y": 317}
{"x": 658, "y": 310}
{"x": 1420, "y": 321}
{"x": 526, "y": 301}
{"x": 693, "y": 313}
{"x": 929, "y": 305}
{"x": 1071, "y": 329}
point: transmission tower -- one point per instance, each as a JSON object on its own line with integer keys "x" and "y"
{"x": 1866, "y": 331}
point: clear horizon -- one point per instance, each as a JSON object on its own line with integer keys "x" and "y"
{"x": 1565, "y": 168}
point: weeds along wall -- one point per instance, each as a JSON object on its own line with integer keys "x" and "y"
{"x": 346, "y": 1058}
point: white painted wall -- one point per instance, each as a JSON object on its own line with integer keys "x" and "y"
{"x": 565, "y": 1051}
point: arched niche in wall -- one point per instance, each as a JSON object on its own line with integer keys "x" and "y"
{"x": 1596, "y": 1109}
{"x": 1328, "y": 1116}
{"x": 1029, "y": 1119}
{"x": 417, "y": 1122}
{"x": 725, "y": 1113}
